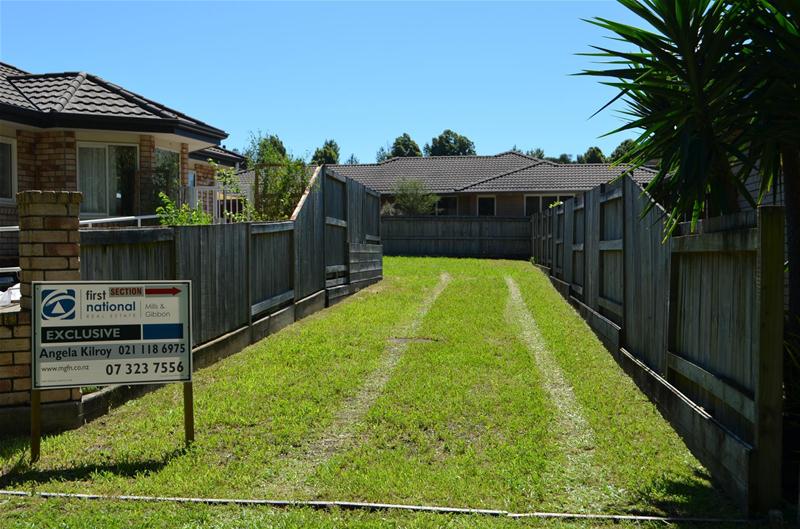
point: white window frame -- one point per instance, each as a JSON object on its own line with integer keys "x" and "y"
{"x": 478, "y": 205}
{"x": 13, "y": 198}
{"x": 436, "y": 209}
{"x": 96, "y": 145}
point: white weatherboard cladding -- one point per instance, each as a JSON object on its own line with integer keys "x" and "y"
{"x": 103, "y": 333}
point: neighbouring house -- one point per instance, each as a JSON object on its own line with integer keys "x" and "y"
{"x": 201, "y": 172}
{"x": 76, "y": 131}
{"x": 508, "y": 184}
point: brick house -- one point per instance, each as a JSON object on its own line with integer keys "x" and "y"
{"x": 201, "y": 172}
{"x": 509, "y": 184}
{"x": 77, "y": 132}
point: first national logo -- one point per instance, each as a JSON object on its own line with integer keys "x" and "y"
{"x": 58, "y": 304}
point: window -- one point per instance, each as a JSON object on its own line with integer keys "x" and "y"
{"x": 564, "y": 198}
{"x": 548, "y": 201}
{"x": 8, "y": 168}
{"x": 533, "y": 205}
{"x": 106, "y": 175}
{"x": 486, "y": 206}
{"x": 447, "y": 206}
{"x": 192, "y": 177}
{"x": 167, "y": 177}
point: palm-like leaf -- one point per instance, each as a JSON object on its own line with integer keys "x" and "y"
{"x": 681, "y": 86}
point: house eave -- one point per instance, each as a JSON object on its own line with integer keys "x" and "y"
{"x": 48, "y": 120}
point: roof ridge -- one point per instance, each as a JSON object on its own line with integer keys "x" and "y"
{"x": 489, "y": 179}
{"x": 73, "y": 87}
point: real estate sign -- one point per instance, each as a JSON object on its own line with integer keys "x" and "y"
{"x": 89, "y": 333}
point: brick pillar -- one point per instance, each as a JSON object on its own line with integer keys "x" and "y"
{"x": 49, "y": 249}
{"x": 145, "y": 194}
{"x": 184, "y": 164}
{"x": 49, "y": 241}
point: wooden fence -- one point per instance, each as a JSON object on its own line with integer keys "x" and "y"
{"x": 446, "y": 236}
{"x": 245, "y": 272}
{"x": 697, "y": 321}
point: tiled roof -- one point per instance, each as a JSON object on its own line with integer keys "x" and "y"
{"x": 504, "y": 172}
{"x": 10, "y": 94}
{"x": 72, "y": 96}
{"x": 438, "y": 173}
{"x": 218, "y": 154}
{"x": 560, "y": 177}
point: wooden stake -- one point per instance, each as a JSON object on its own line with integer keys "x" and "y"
{"x": 188, "y": 412}
{"x": 36, "y": 424}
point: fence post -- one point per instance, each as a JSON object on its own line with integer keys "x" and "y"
{"x": 766, "y": 464}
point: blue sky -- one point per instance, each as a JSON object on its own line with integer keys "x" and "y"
{"x": 361, "y": 73}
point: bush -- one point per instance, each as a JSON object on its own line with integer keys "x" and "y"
{"x": 412, "y": 198}
{"x": 170, "y": 214}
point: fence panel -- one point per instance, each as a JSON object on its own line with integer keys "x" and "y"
{"x": 215, "y": 259}
{"x": 372, "y": 216}
{"x": 558, "y": 241}
{"x": 452, "y": 236}
{"x": 567, "y": 242}
{"x": 356, "y": 212}
{"x": 578, "y": 245}
{"x": 271, "y": 266}
{"x": 646, "y": 264}
{"x": 123, "y": 253}
{"x": 309, "y": 241}
{"x": 337, "y": 227}
{"x": 366, "y": 262}
{"x": 610, "y": 276}
{"x": 591, "y": 270}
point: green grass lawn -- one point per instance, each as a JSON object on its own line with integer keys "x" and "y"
{"x": 461, "y": 420}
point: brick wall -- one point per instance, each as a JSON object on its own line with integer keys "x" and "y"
{"x": 26, "y": 180}
{"x": 49, "y": 249}
{"x": 56, "y": 161}
{"x": 205, "y": 174}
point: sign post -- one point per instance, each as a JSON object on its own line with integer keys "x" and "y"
{"x": 92, "y": 333}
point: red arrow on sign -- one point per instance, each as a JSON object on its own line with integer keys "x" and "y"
{"x": 171, "y": 291}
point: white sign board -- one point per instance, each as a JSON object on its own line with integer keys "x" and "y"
{"x": 91, "y": 333}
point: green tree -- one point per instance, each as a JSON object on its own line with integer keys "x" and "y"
{"x": 328, "y": 153}
{"x": 622, "y": 150}
{"x": 261, "y": 144}
{"x": 536, "y": 152}
{"x": 352, "y": 160}
{"x": 404, "y": 146}
{"x": 449, "y": 143}
{"x": 383, "y": 154}
{"x": 280, "y": 179}
{"x": 562, "y": 158}
{"x": 411, "y": 197}
{"x": 592, "y": 155}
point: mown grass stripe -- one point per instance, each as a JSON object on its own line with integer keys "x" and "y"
{"x": 575, "y": 435}
{"x": 294, "y": 478}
